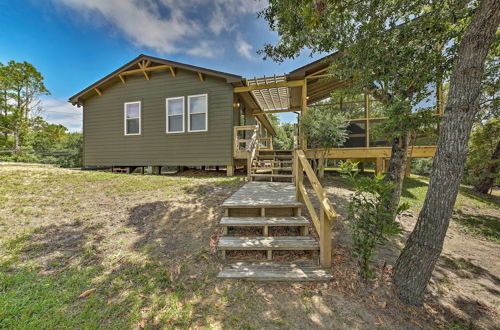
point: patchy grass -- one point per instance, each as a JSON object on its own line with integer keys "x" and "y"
{"x": 484, "y": 226}
{"x": 475, "y": 213}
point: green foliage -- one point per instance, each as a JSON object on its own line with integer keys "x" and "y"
{"x": 65, "y": 151}
{"x": 421, "y": 166}
{"x": 371, "y": 222}
{"x": 284, "y": 137}
{"x": 323, "y": 127}
{"x": 397, "y": 50}
{"x": 21, "y": 85}
{"x": 482, "y": 144}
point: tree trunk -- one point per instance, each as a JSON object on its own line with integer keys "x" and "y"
{"x": 485, "y": 185}
{"x": 416, "y": 262}
{"x": 397, "y": 168}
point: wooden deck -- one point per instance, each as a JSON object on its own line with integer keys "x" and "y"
{"x": 264, "y": 194}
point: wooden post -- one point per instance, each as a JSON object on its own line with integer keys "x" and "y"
{"x": 325, "y": 239}
{"x": 230, "y": 170}
{"x": 249, "y": 168}
{"x": 321, "y": 167}
{"x": 379, "y": 165}
{"x": 361, "y": 167}
{"x": 367, "y": 121}
{"x": 304, "y": 111}
{"x": 299, "y": 176}
{"x": 226, "y": 228}
{"x": 408, "y": 168}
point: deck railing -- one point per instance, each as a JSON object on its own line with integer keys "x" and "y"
{"x": 252, "y": 148}
{"x": 322, "y": 219}
{"x": 241, "y": 143}
{"x": 266, "y": 143}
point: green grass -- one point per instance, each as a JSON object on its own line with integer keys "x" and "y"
{"x": 31, "y": 300}
{"x": 414, "y": 192}
{"x": 483, "y": 226}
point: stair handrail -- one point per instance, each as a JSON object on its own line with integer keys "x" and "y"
{"x": 321, "y": 221}
{"x": 252, "y": 148}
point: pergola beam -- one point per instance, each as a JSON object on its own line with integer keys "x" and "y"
{"x": 291, "y": 83}
{"x": 293, "y": 109}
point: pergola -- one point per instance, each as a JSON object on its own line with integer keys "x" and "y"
{"x": 294, "y": 91}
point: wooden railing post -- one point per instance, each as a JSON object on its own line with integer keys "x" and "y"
{"x": 325, "y": 239}
{"x": 298, "y": 175}
{"x": 252, "y": 148}
{"x": 249, "y": 167}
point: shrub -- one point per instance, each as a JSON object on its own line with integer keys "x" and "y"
{"x": 371, "y": 222}
{"x": 421, "y": 166}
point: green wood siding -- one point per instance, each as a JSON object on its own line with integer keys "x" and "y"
{"x": 105, "y": 143}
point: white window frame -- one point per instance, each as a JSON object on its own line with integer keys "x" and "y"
{"x": 125, "y": 118}
{"x": 189, "y": 113}
{"x": 168, "y": 115}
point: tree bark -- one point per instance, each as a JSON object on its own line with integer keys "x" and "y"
{"x": 485, "y": 185}
{"x": 397, "y": 167}
{"x": 416, "y": 262}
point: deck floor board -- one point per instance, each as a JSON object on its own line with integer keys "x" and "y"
{"x": 264, "y": 194}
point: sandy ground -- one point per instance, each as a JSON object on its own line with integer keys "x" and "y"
{"x": 122, "y": 223}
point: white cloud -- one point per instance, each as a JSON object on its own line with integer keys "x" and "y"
{"x": 244, "y": 48}
{"x": 142, "y": 23}
{"x": 206, "y": 49}
{"x": 170, "y": 26}
{"x": 57, "y": 111}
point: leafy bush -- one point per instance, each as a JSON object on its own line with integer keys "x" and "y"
{"x": 371, "y": 222}
{"x": 284, "y": 137}
{"x": 421, "y": 166}
{"x": 324, "y": 128}
{"x": 482, "y": 160}
{"x": 66, "y": 153}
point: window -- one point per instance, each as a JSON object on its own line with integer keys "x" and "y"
{"x": 197, "y": 117}
{"x": 132, "y": 118}
{"x": 175, "y": 115}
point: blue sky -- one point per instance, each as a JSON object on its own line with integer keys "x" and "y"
{"x": 73, "y": 43}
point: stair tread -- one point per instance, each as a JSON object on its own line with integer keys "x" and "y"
{"x": 267, "y": 243}
{"x": 264, "y": 221}
{"x": 269, "y": 271}
{"x": 273, "y": 175}
{"x": 271, "y": 157}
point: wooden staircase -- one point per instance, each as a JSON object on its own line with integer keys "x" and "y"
{"x": 265, "y": 205}
{"x": 272, "y": 165}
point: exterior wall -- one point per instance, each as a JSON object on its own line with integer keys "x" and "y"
{"x": 105, "y": 143}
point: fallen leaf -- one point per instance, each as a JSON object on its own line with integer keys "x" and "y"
{"x": 87, "y": 293}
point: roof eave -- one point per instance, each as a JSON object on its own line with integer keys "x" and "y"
{"x": 230, "y": 78}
